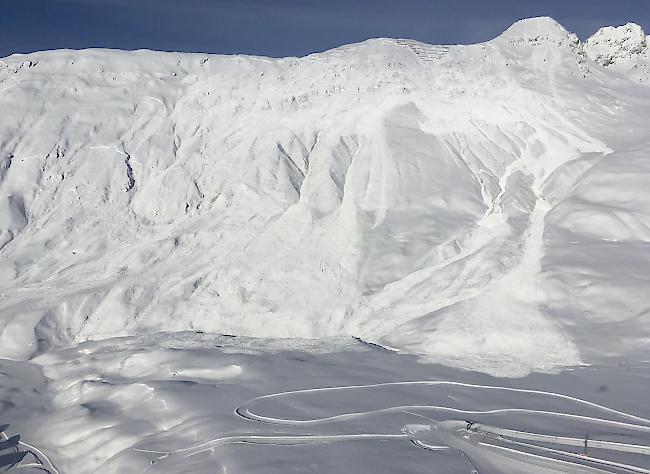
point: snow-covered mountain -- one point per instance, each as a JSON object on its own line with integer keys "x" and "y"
{"x": 484, "y": 206}
{"x": 624, "y": 49}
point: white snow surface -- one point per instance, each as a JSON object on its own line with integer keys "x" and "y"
{"x": 483, "y": 206}
{"x": 183, "y": 402}
{"x": 624, "y": 48}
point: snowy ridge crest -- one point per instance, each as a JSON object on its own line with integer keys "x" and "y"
{"x": 609, "y": 45}
{"x": 539, "y": 31}
{"x": 471, "y": 204}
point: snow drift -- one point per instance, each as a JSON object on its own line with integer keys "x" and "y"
{"x": 485, "y": 206}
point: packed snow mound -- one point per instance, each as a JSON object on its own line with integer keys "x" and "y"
{"x": 484, "y": 206}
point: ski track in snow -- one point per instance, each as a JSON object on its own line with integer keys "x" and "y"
{"x": 463, "y": 436}
{"x": 483, "y": 207}
{"x": 41, "y": 461}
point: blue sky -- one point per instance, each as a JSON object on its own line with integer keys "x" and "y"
{"x": 284, "y": 27}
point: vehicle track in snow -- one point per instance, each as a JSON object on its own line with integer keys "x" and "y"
{"x": 466, "y": 437}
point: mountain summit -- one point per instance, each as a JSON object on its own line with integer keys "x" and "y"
{"x": 623, "y": 48}
{"x": 540, "y": 29}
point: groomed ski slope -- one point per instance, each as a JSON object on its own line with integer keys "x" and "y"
{"x": 482, "y": 206}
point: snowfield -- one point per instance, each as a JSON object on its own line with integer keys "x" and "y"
{"x": 196, "y": 403}
{"x": 467, "y": 212}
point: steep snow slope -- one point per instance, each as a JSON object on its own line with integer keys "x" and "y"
{"x": 486, "y": 206}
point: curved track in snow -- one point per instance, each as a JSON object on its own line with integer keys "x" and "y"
{"x": 472, "y": 440}
{"x": 40, "y": 460}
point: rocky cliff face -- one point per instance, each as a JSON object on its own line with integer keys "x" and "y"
{"x": 624, "y": 48}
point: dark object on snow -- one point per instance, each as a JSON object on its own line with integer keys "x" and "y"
{"x": 14, "y": 455}
{"x": 9, "y": 443}
{"x": 9, "y": 460}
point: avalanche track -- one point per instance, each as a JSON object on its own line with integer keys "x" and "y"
{"x": 481, "y": 206}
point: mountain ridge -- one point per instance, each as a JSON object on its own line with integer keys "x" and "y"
{"x": 452, "y": 202}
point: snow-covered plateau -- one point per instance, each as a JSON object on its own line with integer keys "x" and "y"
{"x": 190, "y": 243}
